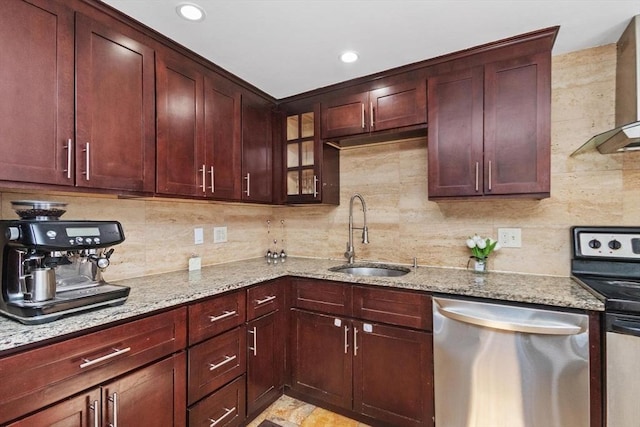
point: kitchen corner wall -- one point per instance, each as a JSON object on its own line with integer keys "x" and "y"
{"x": 588, "y": 189}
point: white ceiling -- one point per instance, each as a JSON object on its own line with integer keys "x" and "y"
{"x": 286, "y": 47}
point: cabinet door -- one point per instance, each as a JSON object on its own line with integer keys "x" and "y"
{"x": 181, "y": 167}
{"x": 345, "y": 115}
{"x": 154, "y": 395}
{"x": 36, "y": 88}
{"x": 222, "y": 131}
{"x": 455, "y": 139}
{"x": 321, "y": 357}
{"x": 392, "y": 374}
{"x": 265, "y": 361}
{"x": 517, "y": 125}
{"x": 79, "y": 411}
{"x": 398, "y": 105}
{"x": 115, "y": 109}
{"x": 256, "y": 149}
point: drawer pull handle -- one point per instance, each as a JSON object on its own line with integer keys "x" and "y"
{"x": 224, "y": 315}
{"x": 266, "y": 300}
{"x": 116, "y": 352}
{"x": 227, "y": 359}
{"x": 225, "y": 415}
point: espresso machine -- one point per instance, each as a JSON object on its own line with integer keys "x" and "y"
{"x": 51, "y": 267}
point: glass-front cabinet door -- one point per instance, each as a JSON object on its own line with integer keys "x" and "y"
{"x": 302, "y": 179}
{"x": 312, "y": 167}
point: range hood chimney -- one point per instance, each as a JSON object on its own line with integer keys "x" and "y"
{"x": 626, "y": 135}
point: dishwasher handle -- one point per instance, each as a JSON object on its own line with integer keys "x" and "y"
{"x": 537, "y": 326}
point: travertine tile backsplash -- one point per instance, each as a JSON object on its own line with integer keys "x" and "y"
{"x": 588, "y": 189}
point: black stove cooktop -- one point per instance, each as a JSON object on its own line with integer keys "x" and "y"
{"x": 606, "y": 261}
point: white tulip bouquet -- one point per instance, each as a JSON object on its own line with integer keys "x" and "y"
{"x": 482, "y": 247}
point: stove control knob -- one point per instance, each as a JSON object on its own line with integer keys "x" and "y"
{"x": 615, "y": 245}
{"x": 594, "y": 244}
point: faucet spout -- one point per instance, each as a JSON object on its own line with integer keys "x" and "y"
{"x": 350, "y": 253}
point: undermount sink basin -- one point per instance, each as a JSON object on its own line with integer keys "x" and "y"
{"x": 378, "y": 270}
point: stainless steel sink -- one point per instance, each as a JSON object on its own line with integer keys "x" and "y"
{"x": 378, "y": 270}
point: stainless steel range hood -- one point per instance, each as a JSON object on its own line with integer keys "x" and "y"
{"x": 626, "y": 135}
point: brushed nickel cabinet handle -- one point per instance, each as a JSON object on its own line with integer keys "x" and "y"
{"x": 116, "y": 352}
{"x": 213, "y": 183}
{"x": 95, "y": 407}
{"x": 489, "y": 175}
{"x": 204, "y": 179}
{"x": 69, "y": 149}
{"x": 355, "y": 341}
{"x": 315, "y": 185}
{"x": 87, "y": 159}
{"x": 227, "y": 359}
{"x": 254, "y": 332}
{"x": 346, "y": 339}
{"x": 224, "y": 315}
{"x": 248, "y": 179}
{"x": 114, "y": 399}
{"x": 477, "y": 176}
{"x": 265, "y": 300}
{"x": 371, "y": 115}
{"x": 227, "y": 412}
{"x": 363, "y": 124}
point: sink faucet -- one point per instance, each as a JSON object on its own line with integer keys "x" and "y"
{"x": 350, "y": 253}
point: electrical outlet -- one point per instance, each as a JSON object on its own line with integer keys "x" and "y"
{"x": 219, "y": 234}
{"x": 510, "y": 237}
{"x": 198, "y": 236}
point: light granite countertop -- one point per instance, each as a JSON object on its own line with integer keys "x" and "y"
{"x": 161, "y": 291}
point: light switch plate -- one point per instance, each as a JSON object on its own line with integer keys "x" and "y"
{"x": 219, "y": 234}
{"x": 198, "y": 236}
{"x": 510, "y": 237}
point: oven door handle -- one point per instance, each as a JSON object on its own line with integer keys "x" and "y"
{"x": 626, "y": 327}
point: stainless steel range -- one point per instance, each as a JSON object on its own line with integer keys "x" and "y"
{"x": 606, "y": 261}
{"x": 52, "y": 267}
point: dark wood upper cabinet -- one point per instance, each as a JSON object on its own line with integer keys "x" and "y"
{"x": 489, "y": 129}
{"x": 257, "y": 149}
{"x": 180, "y": 127}
{"x": 36, "y": 88}
{"x": 115, "y": 109}
{"x": 222, "y": 137}
{"x": 312, "y": 167}
{"x": 199, "y": 120}
{"x": 394, "y": 106}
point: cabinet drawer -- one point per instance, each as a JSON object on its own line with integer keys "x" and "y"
{"x": 321, "y": 295}
{"x": 224, "y": 408}
{"x": 216, "y": 315}
{"x": 215, "y": 362}
{"x": 264, "y": 299}
{"x": 39, "y": 377}
{"x": 395, "y": 307}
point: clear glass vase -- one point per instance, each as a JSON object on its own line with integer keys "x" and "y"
{"x": 479, "y": 265}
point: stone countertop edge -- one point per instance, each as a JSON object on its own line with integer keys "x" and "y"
{"x": 163, "y": 291}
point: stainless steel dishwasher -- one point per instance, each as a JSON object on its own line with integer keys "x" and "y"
{"x": 501, "y": 365}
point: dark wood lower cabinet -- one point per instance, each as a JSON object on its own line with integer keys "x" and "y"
{"x": 265, "y": 361}
{"x": 321, "y": 357}
{"x": 224, "y": 408}
{"x": 392, "y": 379}
{"x": 154, "y": 395}
{"x": 382, "y": 372}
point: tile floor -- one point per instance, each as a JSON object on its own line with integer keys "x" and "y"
{"x": 289, "y": 412}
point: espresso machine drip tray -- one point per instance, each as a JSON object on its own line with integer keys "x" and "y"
{"x": 66, "y": 302}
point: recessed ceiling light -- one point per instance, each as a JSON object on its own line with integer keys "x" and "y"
{"x": 190, "y": 11}
{"x": 349, "y": 57}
